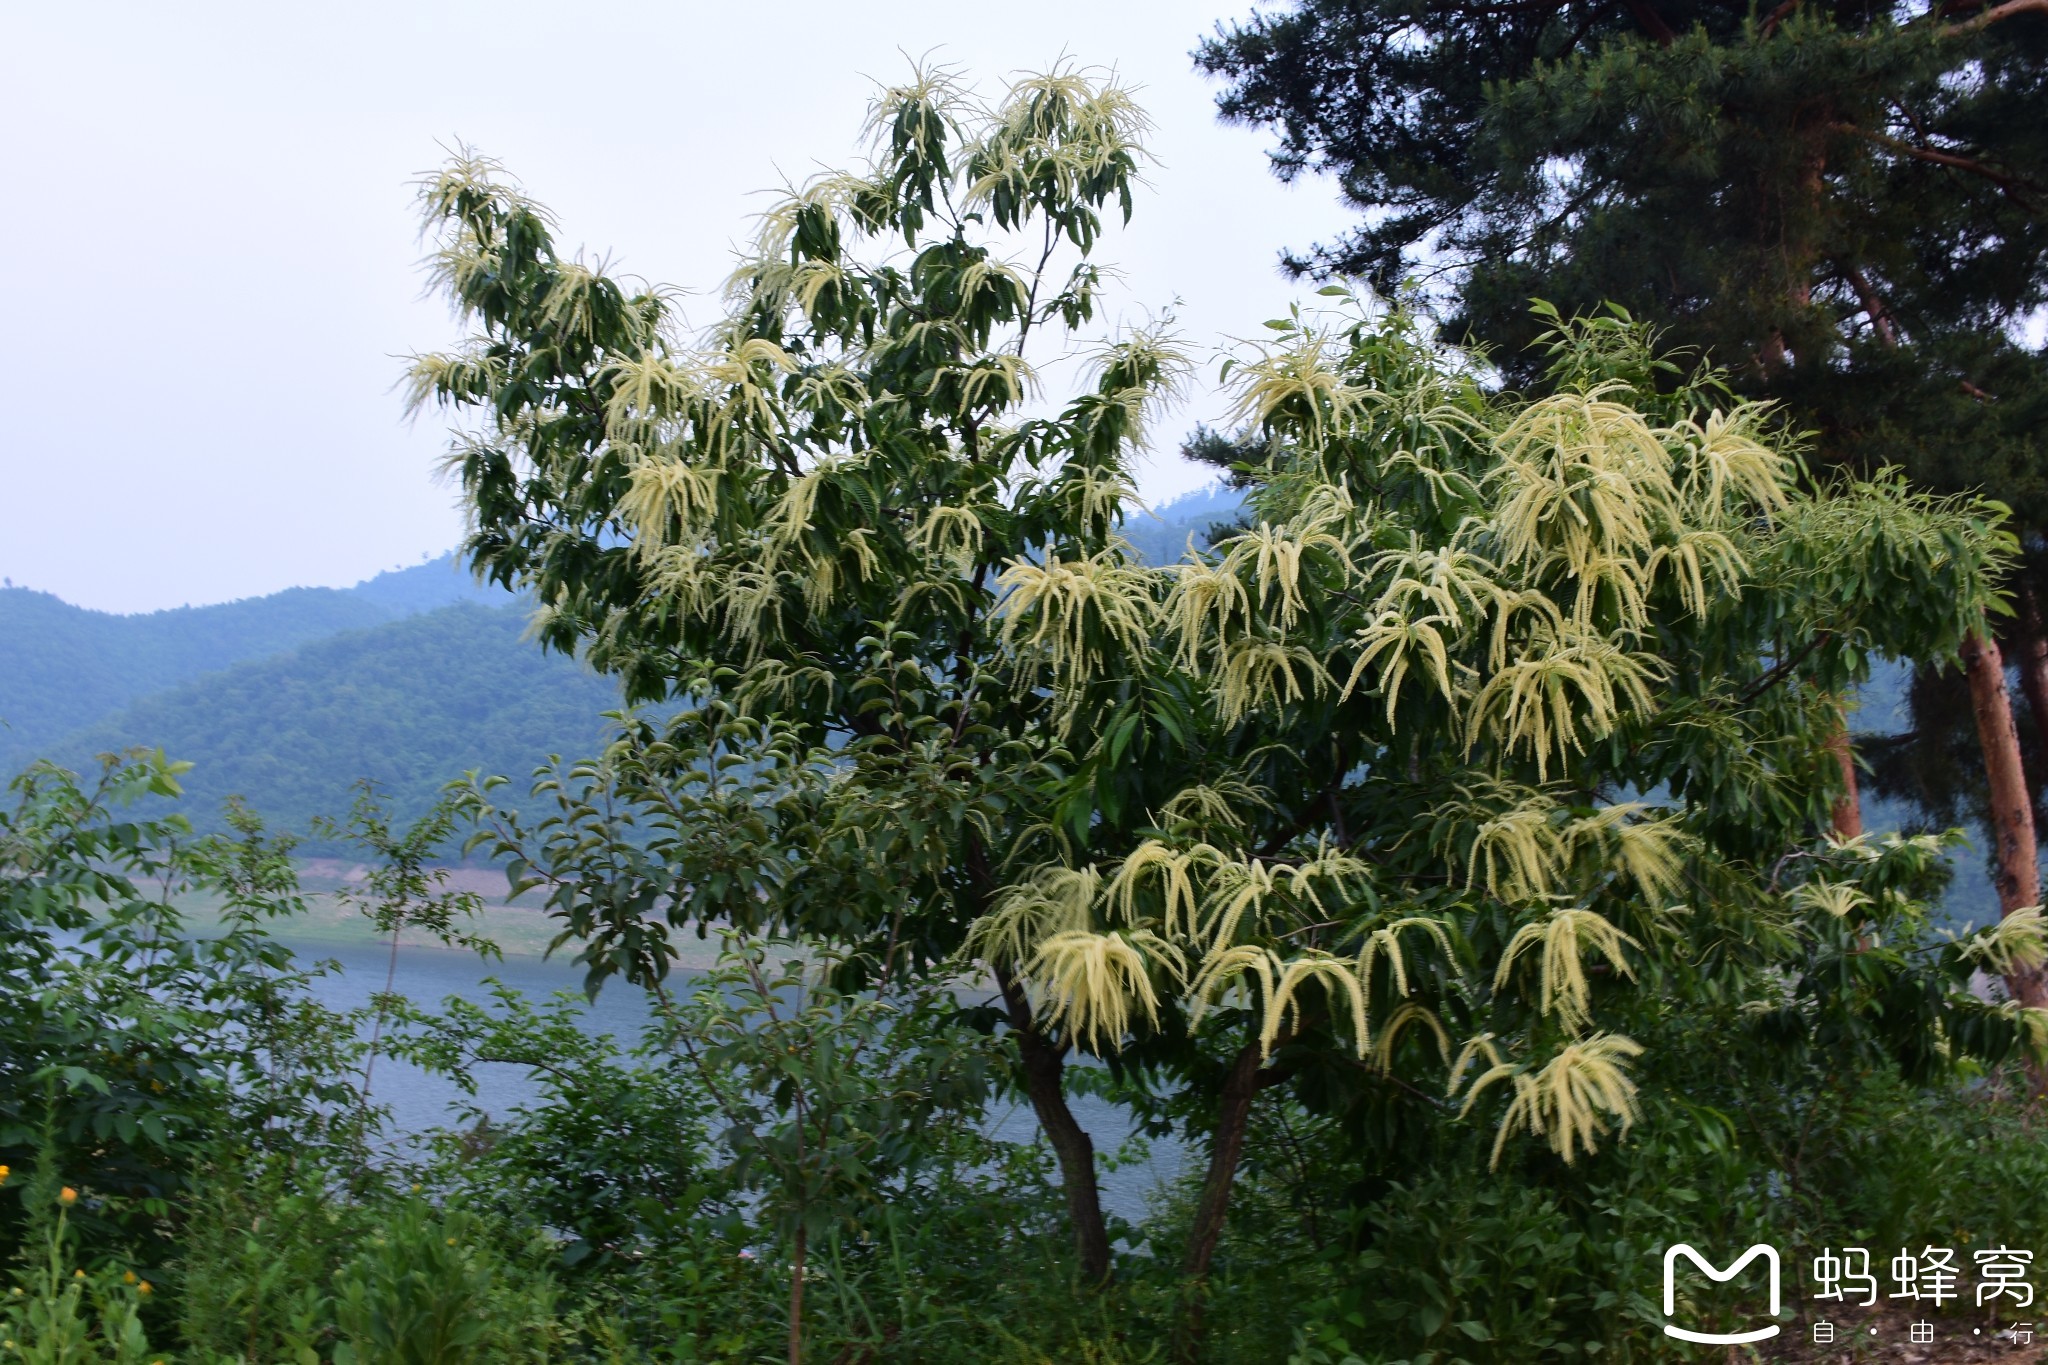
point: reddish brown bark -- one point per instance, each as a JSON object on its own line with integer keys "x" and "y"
{"x": 1777, "y": 17}
{"x": 1651, "y": 22}
{"x": 1882, "y": 323}
{"x": 2009, "y": 185}
{"x": 1848, "y": 811}
{"x": 1994, "y": 14}
{"x": 1793, "y": 234}
{"x": 2015, "y": 852}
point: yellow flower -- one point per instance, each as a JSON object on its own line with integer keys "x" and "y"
{"x": 78, "y": 1274}
{"x": 4, "y": 1173}
{"x": 451, "y": 1241}
{"x": 67, "y": 1196}
{"x": 142, "y": 1288}
{"x": 127, "y": 1277}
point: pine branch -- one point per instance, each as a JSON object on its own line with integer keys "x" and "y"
{"x": 1653, "y": 23}
{"x": 1484, "y": 11}
{"x": 2009, "y": 185}
{"x": 1777, "y": 17}
{"x": 1994, "y": 15}
{"x": 1880, "y": 313}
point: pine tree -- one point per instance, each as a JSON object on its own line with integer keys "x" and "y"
{"x": 1844, "y": 205}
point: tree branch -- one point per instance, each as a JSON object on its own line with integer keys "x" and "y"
{"x": 1653, "y": 23}
{"x": 1777, "y": 17}
{"x": 1783, "y": 668}
{"x": 1994, "y": 15}
{"x": 2006, "y": 183}
{"x": 1874, "y": 306}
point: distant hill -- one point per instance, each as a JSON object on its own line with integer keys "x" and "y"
{"x": 63, "y": 668}
{"x": 1161, "y": 535}
{"x": 408, "y": 704}
{"x": 408, "y": 679}
{"x": 425, "y": 586}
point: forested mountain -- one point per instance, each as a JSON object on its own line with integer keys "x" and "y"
{"x": 408, "y": 679}
{"x": 408, "y": 704}
{"x": 63, "y": 667}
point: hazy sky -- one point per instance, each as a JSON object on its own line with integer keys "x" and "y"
{"x": 211, "y": 264}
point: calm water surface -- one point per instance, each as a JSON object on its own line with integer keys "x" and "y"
{"x": 419, "y": 1100}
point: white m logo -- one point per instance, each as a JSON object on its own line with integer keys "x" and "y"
{"x": 1770, "y": 1255}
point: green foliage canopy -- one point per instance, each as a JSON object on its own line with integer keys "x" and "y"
{"x": 1846, "y": 204}
{"x": 803, "y": 526}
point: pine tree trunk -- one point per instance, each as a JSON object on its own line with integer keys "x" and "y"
{"x": 1071, "y": 1145}
{"x": 1848, "y": 811}
{"x": 2015, "y": 852}
{"x": 1233, "y": 1116}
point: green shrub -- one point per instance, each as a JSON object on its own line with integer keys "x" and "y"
{"x": 431, "y": 1287}
{"x": 133, "y": 1043}
{"x": 260, "y": 1257}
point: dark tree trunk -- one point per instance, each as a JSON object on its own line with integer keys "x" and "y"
{"x": 1240, "y": 1087}
{"x": 2031, "y": 640}
{"x": 796, "y": 1301}
{"x": 1043, "y": 1066}
{"x": 2018, "y": 872}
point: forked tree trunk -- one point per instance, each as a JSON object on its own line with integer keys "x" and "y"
{"x": 1233, "y": 1117}
{"x": 1071, "y": 1145}
{"x": 2016, "y": 854}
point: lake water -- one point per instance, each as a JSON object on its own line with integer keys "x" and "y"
{"x": 419, "y": 1100}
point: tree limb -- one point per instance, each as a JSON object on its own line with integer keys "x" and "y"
{"x": 2006, "y": 183}
{"x": 1653, "y": 23}
{"x": 1993, "y": 15}
{"x": 1783, "y": 668}
{"x": 1880, "y": 314}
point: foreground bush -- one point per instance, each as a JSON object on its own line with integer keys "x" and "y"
{"x": 647, "y": 1204}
